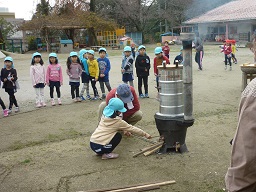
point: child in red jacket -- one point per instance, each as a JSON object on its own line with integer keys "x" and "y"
{"x": 227, "y": 52}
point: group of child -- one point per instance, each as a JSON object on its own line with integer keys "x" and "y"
{"x": 84, "y": 67}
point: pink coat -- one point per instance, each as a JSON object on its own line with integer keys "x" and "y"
{"x": 37, "y": 74}
{"x": 54, "y": 73}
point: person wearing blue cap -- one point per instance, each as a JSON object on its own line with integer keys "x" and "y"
{"x": 104, "y": 67}
{"x": 94, "y": 72}
{"x": 142, "y": 65}
{"x": 54, "y": 77}
{"x": 106, "y": 137}
{"x": 9, "y": 78}
{"x": 85, "y": 74}
{"x": 158, "y": 60}
{"x": 127, "y": 66}
{"x": 38, "y": 77}
{"x": 74, "y": 71}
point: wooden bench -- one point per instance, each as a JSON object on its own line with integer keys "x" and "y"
{"x": 95, "y": 48}
{"x": 116, "y": 47}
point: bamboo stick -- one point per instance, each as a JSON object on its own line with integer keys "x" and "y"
{"x": 152, "y": 151}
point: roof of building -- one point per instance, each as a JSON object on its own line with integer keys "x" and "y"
{"x": 238, "y": 10}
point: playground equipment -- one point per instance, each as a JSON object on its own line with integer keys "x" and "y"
{"x": 110, "y": 38}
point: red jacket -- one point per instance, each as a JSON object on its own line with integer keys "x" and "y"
{"x": 227, "y": 50}
{"x": 135, "y": 102}
{"x": 166, "y": 50}
{"x": 159, "y": 61}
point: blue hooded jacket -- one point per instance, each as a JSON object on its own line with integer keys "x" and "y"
{"x": 104, "y": 66}
{"x": 84, "y": 60}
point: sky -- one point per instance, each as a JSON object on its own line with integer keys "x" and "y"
{"x": 22, "y": 8}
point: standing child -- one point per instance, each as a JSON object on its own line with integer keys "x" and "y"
{"x": 227, "y": 52}
{"x": 54, "y": 77}
{"x": 74, "y": 71}
{"x": 106, "y": 137}
{"x": 127, "y": 66}
{"x": 85, "y": 74}
{"x": 133, "y": 50}
{"x": 142, "y": 65}
{"x": 166, "y": 49}
{"x": 9, "y": 77}
{"x": 158, "y": 60}
{"x": 104, "y": 67}
{"x": 38, "y": 74}
{"x": 94, "y": 72}
{"x": 234, "y": 49}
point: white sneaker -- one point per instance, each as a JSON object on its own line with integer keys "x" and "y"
{"x": 59, "y": 101}
{"x": 53, "y": 102}
{"x": 17, "y": 109}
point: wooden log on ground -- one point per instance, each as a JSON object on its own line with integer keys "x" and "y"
{"x": 139, "y": 187}
{"x": 149, "y": 148}
{"x": 147, "y": 153}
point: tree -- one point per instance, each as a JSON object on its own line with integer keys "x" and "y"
{"x": 6, "y": 29}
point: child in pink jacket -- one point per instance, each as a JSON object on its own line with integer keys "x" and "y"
{"x": 54, "y": 77}
{"x": 37, "y": 74}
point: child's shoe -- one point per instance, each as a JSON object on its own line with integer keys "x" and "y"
{"x": 5, "y": 112}
{"x": 38, "y": 105}
{"x": 43, "y": 104}
{"x": 59, "y": 101}
{"x": 17, "y": 109}
{"x": 95, "y": 98}
{"x": 103, "y": 96}
{"x": 78, "y": 99}
{"x": 82, "y": 97}
{"x": 142, "y": 96}
{"x": 146, "y": 95}
{"x": 53, "y": 102}
{"x": 9, "y": 111}
{"x": 74, "y": 99}
{"x": 88, "y": 97}
{"x": 110, "y": 156}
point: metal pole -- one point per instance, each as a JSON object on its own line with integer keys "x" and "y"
{"x": 187, "y": 39}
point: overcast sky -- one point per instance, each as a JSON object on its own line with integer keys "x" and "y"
{"x": 22, "y": 8}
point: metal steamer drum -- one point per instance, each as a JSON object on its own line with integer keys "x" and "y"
{"x": 171, "y": 91}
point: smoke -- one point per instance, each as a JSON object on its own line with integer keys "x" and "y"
{"x": 199, "y": 7}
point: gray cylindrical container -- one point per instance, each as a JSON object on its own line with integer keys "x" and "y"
{"x": 171, "y": 91}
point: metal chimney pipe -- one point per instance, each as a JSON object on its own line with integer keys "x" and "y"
{"x": 187, "y": 39}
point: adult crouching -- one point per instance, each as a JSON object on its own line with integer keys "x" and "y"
{"x": 128, "y": 95}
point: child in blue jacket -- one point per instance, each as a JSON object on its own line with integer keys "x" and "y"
{"x": 104, "y": 68}
{"x": 85, "y": 74}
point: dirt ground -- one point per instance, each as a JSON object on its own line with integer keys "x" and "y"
{"x": 47, "y": 149}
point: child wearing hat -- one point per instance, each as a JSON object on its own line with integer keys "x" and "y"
{"x": 106, "y": 136}
{"x": 9, "y": 78}
{"x": 94, "y": 72}
{"x": 74, "y": 71}
{"x": 54, "y": 77}
{"x": 38, "y": 77}
{"x": 85, "y": 74}
{"x": 158, "y": 60}
{"x": 127, "y": 66}
{"x": 142, "y": 65}
{"x": 104, "y": 67}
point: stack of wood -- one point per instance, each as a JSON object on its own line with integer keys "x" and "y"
{"x": 151, "y": 149}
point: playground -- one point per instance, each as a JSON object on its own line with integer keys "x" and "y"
{"x": 48, "y": 150}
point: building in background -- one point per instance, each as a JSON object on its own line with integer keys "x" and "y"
{"x": 233, "y": 20}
